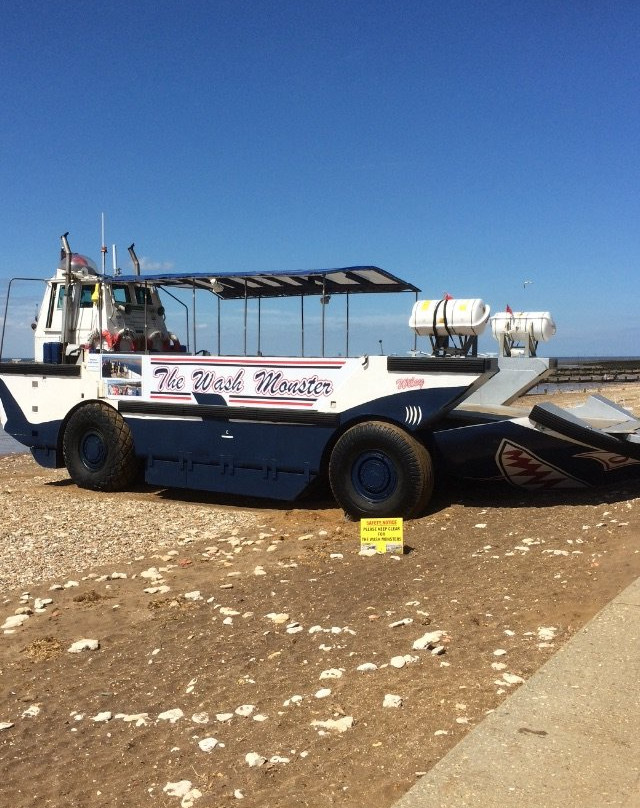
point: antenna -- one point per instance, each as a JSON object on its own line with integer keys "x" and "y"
{"x": 103, "y": 249}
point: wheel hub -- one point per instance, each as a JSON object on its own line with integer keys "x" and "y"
{"x": 374, "y": 476}
{"x": 93, "y": 451}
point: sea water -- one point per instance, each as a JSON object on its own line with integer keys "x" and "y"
{"x": 8, "y": 445}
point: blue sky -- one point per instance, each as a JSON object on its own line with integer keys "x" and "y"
{"x": 464, "y": 146}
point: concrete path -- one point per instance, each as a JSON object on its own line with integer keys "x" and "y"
{"x": 569, "y": 737}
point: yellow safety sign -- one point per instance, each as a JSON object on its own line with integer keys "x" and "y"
{"x": 383, "y": 535}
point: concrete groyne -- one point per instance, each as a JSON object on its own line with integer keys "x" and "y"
{"x": 595, "y": 371}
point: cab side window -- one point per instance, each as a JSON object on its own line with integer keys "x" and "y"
{"x": 143, "y": 295}
{"x": 120, "y": 294}
{"x": 60, "y": 296}
{"x": 86, "y": 296}
{"x": 55, "y": 302}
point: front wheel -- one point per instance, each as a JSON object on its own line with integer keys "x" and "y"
{"x": 377, "y": 469}
{"x": 98, "y": 449}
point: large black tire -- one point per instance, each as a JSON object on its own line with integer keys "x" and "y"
{"x": 377, "y": 469}
{"x": 98, "y": 449}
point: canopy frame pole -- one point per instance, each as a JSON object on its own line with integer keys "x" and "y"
{"x": 165, "y": 291}
{"x": 193, "y": 309}
{"x": 6, "y": 307}
{"x": 323, "y": 302}
{"x": 218, "y": 326}
{"x": 259, "y": 325}
{"x": 245, "y": 316}
{"x": 347, "y": 345}
{"x": 145, "y": 341}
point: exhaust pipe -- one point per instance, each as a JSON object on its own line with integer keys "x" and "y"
{"x": 66, "y": 310}
{"x": 134, "y": 258}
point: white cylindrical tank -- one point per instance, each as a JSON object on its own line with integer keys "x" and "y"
{"x": 521, "y": 325}
{"x": 459, "y": 317}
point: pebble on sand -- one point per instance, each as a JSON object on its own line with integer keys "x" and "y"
{"x": 83, "y": 645}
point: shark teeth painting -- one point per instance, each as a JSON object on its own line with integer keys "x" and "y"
{"x": 523, "y": 468}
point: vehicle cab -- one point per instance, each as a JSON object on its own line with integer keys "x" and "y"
{"x": 80, "y": 310}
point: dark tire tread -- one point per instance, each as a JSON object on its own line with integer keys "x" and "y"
{"x": 120, "y": 468}
{"x": 408, "y": 456}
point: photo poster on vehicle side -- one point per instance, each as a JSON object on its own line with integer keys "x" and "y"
{"x": 122, "y": 375}
{"x": 382, "y": 535}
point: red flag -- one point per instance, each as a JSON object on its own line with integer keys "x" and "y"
{"x": 509, "y": 309}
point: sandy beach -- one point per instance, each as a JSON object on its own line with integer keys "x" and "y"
{"x": 242, "y": 650}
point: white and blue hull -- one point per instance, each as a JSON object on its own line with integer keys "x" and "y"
{"x": 253, "y": 426}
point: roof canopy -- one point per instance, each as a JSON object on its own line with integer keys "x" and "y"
{"x": 241, "y": 285}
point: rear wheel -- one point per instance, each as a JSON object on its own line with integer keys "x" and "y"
{"x": 98, "y": 449}
{"x": 377, "y": 469}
